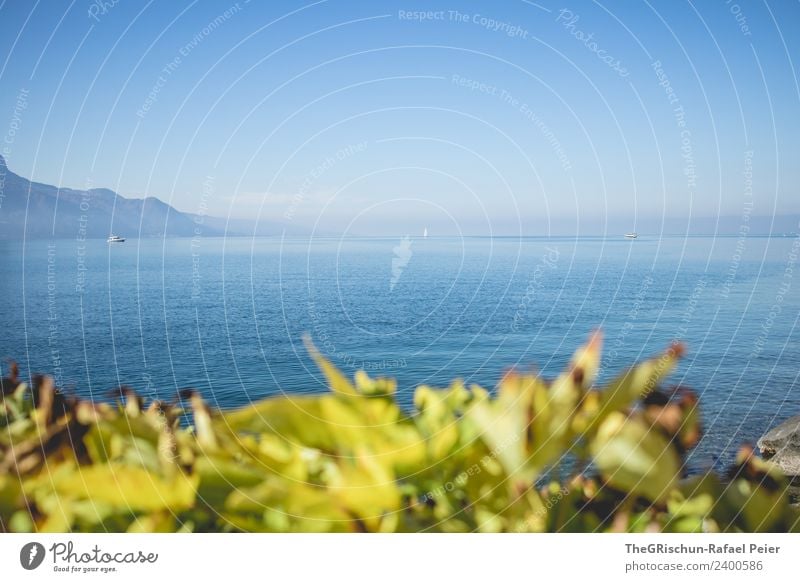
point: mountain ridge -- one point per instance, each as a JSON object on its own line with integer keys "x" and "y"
{"x": 31, "y": 210}
{"x": 36, "y": 210}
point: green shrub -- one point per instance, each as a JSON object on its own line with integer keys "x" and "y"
{"x": 353, "y": 460}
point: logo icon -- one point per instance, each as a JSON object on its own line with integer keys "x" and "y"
{"x": 31, "y": 555}
{"x": 402, "y": 255}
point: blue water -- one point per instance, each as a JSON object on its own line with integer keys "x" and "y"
{"x": 227, "y": 315}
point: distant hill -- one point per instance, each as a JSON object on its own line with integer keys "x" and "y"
{"x": 33, "y": 210}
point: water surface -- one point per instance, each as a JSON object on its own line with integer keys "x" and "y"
{"x": 227, "y": 315}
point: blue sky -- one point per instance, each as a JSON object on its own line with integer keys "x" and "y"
{"x": 359, "y": 117}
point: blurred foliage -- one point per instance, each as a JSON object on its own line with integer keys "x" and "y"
{"x": 353, "y": 460}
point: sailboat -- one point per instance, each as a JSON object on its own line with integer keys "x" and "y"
{"x": 425, "y": 233}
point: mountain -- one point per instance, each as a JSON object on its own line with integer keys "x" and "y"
{"x": 34, "y": 210}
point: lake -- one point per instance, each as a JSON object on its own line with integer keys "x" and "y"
{"x": 227, "y": 316}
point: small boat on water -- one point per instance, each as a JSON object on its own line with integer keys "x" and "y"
{"x": 425, "y": 233}
{"x": 631, "y": 235}
{"x": 115, "y": 239}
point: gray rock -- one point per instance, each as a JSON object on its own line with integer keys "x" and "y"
{"x": 781, "y": 445}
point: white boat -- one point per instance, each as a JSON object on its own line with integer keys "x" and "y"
{"x": 115, "y": 239}
{"x": 631, "y": 235}
{"x": 425, "y": 233}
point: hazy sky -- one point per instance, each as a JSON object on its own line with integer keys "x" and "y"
{"x": 364, "y": 117}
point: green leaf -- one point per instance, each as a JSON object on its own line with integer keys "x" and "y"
{"x": 125, "y": 488}
{"x": 635, "y": 459}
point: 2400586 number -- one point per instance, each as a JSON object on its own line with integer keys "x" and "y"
{"x": 737, "y": 565}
